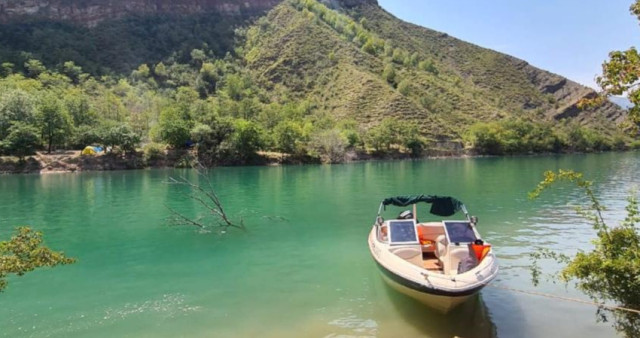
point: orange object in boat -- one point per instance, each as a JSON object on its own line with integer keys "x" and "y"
{"x": 422, "y": 237}
{"x": 481, "y": 250}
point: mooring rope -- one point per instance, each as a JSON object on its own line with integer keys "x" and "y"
{"x": 568, "y": 299}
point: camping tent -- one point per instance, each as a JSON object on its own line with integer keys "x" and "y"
{"x": 88, "y": 151}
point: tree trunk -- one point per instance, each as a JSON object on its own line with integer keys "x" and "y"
{"x": 50, "y": 141}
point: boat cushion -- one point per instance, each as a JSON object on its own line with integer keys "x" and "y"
{"x": 407, "y": 253}
{"x": 441, "y": 246}
{"x": 456, "y": 255}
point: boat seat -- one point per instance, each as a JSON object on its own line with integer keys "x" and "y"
{"x": 441, "y": 246}
{"x": 456, "y": 255}
{"x": 409, "y": 254}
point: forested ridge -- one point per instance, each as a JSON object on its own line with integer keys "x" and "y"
{"x": 305, "y": 81}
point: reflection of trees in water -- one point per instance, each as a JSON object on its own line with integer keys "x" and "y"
{"x": 470, "y": 319}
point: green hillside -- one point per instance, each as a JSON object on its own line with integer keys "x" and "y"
{"x": 442, "y": 84}
{"x": 305, "y": 81}
{"x": 117, "y": 46}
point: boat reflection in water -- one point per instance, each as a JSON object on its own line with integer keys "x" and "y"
{"x": 470, "y": 319}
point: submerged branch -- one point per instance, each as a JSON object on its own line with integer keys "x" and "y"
{"x": 205, "y": 195}
{"x": 180, "y": 219}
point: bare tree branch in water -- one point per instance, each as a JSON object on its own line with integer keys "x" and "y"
{"x": 206, "y": 196}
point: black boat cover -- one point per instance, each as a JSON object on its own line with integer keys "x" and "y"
{"x": 440, "y": 205}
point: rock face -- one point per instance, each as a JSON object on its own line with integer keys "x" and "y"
{"x": 568, "y": 93}
{"x": 91, "y": 12}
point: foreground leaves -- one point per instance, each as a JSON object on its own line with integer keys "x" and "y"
{"x": 25, "y": 252}
{"x": 621, "y": 76}
{"x": 610, "y": 272}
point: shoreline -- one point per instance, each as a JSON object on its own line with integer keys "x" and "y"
{"x": 64, "y": 162}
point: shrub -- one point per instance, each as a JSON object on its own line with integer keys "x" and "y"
{"x": 120, "y": 136}
{"x": 586, "y": 139}
{"x": 369, "y": 47}
{"x": 247, "y": 138}
{"x": 173, "y": 128}
{"x": 210, "y": 138}
{"x": 389, "y": 74}
{"x": 329, "y": 145}
{"x": 154, "y": 151}
{"x": 428, "y": 66}
{"x": 404, "y": 87}
{"x": 23, "y": 139}
{"x": 288, "y": 137}
{"x": 85, "y": 136}
{"x": 392, "y": 132}
{"x": 514, "y": 137}
{"x": 485, "y": 139}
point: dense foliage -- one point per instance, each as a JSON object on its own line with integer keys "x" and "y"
{"x": 610, "y": 270}
{"x": 211, "y": 103}
{"x": 117, "y": 46}
{"x": 518, "y": 136}
{"x": 25, "y": 252}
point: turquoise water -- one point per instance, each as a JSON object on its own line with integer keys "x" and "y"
{"x": 303, "y": 269}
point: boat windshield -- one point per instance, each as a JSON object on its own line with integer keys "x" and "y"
{"x": 403, "y": 232}
{"x": 460, "y": 232}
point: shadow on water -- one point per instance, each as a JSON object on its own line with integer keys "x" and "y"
{"x": 471, "y": 319}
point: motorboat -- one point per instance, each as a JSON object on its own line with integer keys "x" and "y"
{"x": 439, "y": 263}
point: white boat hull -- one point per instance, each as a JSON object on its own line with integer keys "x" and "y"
{"x": 443, "y": 304}
{"x": 436, "y": 290}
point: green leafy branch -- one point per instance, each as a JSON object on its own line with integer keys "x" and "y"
{"x": 611, "y": 270}
{"x": 24, "y": 252}
{"x": 594, "y": 211}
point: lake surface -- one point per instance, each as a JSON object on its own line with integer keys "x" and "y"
{"x": 303, "y": 269}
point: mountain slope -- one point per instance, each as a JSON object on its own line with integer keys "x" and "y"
{"x": 490, "y": 70}
{"x": 307, "y": 75}
{"x": 304, "y": 46}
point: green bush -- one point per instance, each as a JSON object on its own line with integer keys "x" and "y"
{"x": 514, "y": 137}
{"x": 247, "y": 139}
{"x": 121, "y": 137}
{"x": 23, "y": 140}
{"x": 329, "y": 145}
{"x": 16, "y": 106}
{"x": 486, "y": 139}
{"x": 289, "y": 137}
{"x": 86, "y": 136}
{"x": 584, "y": 139}
{"x": 154, "y": 151}
{"x": 389, "y": 74}
{"x": 428, "y": 66}
{"x": 173, "y": 128}
{"x": 404, "y": 87}
{"x": 391, "y": 132}
{"x": 211, "y": 138}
